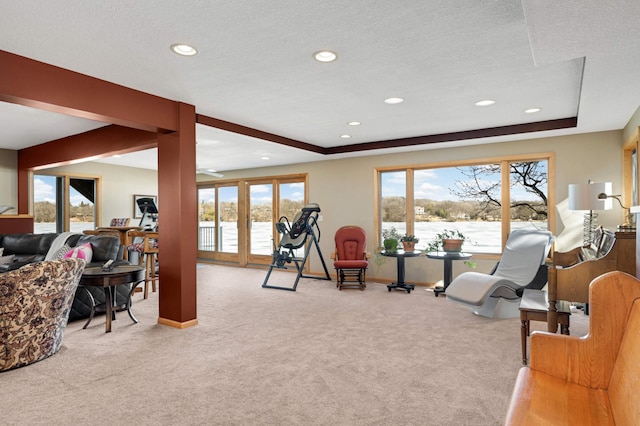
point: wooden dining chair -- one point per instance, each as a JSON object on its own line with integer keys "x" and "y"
{"x": 146, "y": 244}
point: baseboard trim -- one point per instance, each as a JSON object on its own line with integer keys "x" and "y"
{"x": 176, "y": 324}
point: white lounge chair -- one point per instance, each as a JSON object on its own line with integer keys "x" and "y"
{"x": 497, "y": 295}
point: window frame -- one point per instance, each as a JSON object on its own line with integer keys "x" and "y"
{"x": 504, "y": 161}
{"x": 63, "y": 219}
{"x": 631, "y": 172}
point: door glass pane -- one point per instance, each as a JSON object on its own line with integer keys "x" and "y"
{"x": 81, "y": 204}
{"x": 228, "y": 219}
{"x": 291, "y": 203}
{"x": 206, "y": 219}
{"x": 261, "y": 222}
{"x": 45, "y": 190}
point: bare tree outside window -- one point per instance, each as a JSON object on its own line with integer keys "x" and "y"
{"x": 468, "y": 199}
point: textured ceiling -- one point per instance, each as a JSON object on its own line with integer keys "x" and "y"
{"x": 255, "y": 68}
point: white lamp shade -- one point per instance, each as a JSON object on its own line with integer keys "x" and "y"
{"x": 584, "y": 196}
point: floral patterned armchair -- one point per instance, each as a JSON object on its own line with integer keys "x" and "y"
{"x": 35, "y": 301}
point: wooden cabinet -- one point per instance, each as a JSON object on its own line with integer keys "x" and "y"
{"x": 16, "y": 223}
{"x": 626, "y": 260}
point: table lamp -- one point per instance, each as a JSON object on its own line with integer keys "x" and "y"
{"x": 628, "y": 225}
{"x": 586, "y": 197}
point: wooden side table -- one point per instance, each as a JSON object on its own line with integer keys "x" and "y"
{"x": 108, "y": 280}
{"x": 534, "y": 307}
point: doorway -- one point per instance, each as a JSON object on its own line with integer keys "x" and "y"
{"x": 236, "y": 219}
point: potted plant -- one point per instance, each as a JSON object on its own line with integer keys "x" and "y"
{"x": 449, "y": 240}
{"x": 390, "y": 238}
{"x": 409, "y": 242}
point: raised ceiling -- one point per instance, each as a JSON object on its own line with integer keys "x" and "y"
{"x": 254, "y": 67}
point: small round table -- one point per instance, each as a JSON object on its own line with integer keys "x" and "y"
{"x": 448, "y": 258}
{"x": 109, "y": 279}
{"x": 400, "y": 255}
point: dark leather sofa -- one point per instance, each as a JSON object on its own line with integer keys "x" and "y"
{"x": 28, "y": 248}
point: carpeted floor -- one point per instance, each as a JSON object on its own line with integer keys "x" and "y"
{"x": 317, "y": 356}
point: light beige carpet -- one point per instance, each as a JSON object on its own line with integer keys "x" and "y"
{"x": 317, "y": 356}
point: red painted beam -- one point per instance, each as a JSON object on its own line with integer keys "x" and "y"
{"x": 514, "y": 129}
{"x": 98, "y": 143}
{"x": 31, "y": 83}
{"x": 258, "y": 134}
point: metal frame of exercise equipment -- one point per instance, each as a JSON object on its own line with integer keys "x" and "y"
{"x": 302, "y": 233}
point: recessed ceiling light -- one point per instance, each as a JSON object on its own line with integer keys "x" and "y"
{"x": 353, "y": 123}
{"x": 183, "y": 49}
{"x": 393, "y": 101}
{"x": 531, "y": 110}
{"x": 486, "y": 102}
{"x": 265, "y": 157}
{"x": 345, "y": 136}
{"x": 325, "y": 56}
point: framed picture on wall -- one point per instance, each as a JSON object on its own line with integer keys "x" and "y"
{"x": 137, "y": 213}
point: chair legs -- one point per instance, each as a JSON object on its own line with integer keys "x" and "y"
{"x": 351, "y": 278}
{"x": 151, "y": 277}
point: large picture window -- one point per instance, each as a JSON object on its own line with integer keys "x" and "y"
{"x": 483, "y": 200}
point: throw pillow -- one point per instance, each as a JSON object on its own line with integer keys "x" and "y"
{"x": 59, "y": 255}
{"x": 81, "y": 252}
{"x": 5, "y": 260}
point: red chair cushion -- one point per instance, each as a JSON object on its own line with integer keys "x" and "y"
{"x": 350, "y": 264}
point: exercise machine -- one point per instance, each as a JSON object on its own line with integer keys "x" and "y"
{"x": 299, "y": 234}
{"x": 149, "y": 221}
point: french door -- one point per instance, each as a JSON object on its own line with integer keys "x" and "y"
{"x": 218, "y": 224}
{"x": 237, "y": 218}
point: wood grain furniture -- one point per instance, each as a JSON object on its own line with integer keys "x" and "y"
{"x": 108, "y": 280}
{"x": 534, "y": 306}
{"x": 572, "y": 271}
{"x": 592, "y": 380}
{"x": 146, "y": 243}
{"x": 16, "y": 223}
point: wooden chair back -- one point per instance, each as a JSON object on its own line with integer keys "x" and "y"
{"x": 624, "y": 386}
{"x": 592, "y": 357}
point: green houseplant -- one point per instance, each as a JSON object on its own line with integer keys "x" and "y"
{"x": 449, "y": 240}
{"x": 409, "y": 242}
{"x": 390, "y": 238}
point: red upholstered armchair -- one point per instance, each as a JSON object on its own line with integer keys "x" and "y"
{"x": 350, "y": 257}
